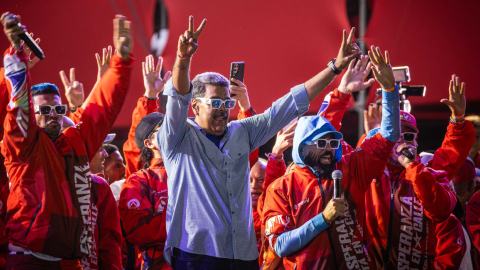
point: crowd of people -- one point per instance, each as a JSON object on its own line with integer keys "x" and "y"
{"x": 193, "y": 193}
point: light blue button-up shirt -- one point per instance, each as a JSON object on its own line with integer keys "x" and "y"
{"x": 209, "y": 208}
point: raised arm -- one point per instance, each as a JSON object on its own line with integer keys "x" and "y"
{"x": 460, "y": 134}
{"x": 147, "y": 104}
{"x": 296, "y": 103}
{"x": 106, "y": 100}
{"x": 19, "y": 124}
{"x": 178, "y": 90}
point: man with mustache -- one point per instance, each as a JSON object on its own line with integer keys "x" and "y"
{"x": 409, "y": 203}
{"x": 49, "y": 220}
{"x": 300, "y": 215}
{"x": 209, "y": 212}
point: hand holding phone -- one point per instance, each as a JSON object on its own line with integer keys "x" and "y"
{"x": 237, "y": 71}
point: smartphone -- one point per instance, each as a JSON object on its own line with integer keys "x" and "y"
{"x": 237, "y": 71}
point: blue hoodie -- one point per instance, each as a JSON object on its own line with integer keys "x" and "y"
{"x": 310, "y": 128}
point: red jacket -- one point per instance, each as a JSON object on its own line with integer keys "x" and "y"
{"x": 142, "y": 205}
{"x": 48, "y": 206}
{"x": 423, "y": 197}
{"x": 294, "y": 199}
{"x": 106, "y": 226}
{"x": 450, "y": 244}
{"x": 472, "y": 221}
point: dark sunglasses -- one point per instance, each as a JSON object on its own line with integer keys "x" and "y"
{"x": 409, "y": 136}
{"x": 47, "y": 109}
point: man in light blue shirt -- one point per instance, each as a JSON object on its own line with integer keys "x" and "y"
{"x": 209, "y": 212}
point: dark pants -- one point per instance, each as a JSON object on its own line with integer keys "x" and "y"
{"x": 182, "y": 260}
{"x": 20, "y": 262}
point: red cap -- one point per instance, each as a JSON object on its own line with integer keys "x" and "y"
{"x": 466, "y": 172}
{"x": 408, "y": 120}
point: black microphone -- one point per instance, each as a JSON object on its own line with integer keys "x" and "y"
{"x": 27, "y": 39}
{"x": 337, "y": 176}
{"x": 408, "y": 154}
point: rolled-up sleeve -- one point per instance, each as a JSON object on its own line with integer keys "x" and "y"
{"x": 262, "y": 127}
{"x": 173, "y": 128}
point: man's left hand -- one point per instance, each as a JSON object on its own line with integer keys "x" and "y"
{"x": 354, "y": 78}
{"x": 241, "y": 94}
{"x": 456, "y": 100}
{"x": 348, "y": 50}
{"x": 122, "y": 36}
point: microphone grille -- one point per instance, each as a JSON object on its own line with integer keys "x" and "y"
{"x": 337, "y": 174}
{"x": 9, "y": 17}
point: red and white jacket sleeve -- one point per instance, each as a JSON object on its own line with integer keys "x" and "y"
{"x": 104, "y": 104}
{"x": 433, "y": 190}
{"x": 131, "y": 152}
{"x": 275, "y": 169}
{"x": 455, "y": 147}
{"x": 253, "y": 157}
{"x": 19, "y": 124}
{"x": 451, "y": 245}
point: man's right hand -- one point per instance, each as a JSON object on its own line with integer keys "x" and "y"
{"x": 73, "y": 89}
{"x": 122, "y": 36}
{"x": 372, "y": 117}
{"x": 103, "y": 63}
{"x": 354, "y": 78}
{"x": 188, "y": 42}
{"x": 335, "y": 208}
{"x": 152, "y": 79}
{"x": 12, "y": 30}
{"x": 382, "y": 69}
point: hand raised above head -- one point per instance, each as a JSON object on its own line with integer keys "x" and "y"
{"x": 284, "y": 140}
{"x": 12, "y": 30}
{"x": 240, "y": 93}
{"x": 122, "y": 36}
{"x": 188, "y": 42}
{"x": 103, "y": 63}
{"x": 456, "y": 100}
{"x": 31, "y": 61}
{"x": 73, "y": 89}
{"x": 353, "y": 80}
{"x": 382, "y": 70}
{"x": 372, "y": 117}
{"x": 348, "y": 50}
{"x": 152, "y": 79}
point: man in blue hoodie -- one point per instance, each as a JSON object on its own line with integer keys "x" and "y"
{"x": 296, "y": 212}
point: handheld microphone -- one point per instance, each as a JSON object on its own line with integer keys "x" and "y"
{"x": 408, "y": 154}
{"x": 27, "y": 39}
{"x": 336, "y": 176}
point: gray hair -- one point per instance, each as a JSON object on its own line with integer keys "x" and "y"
{"x": 211, "y": 78}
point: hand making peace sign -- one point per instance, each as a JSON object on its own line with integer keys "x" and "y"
{"x": 188, "y": 42}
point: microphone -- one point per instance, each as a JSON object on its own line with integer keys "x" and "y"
{"x": 408, "y": 154}
{"x": 337, "y": 176}
{"x": 27, "y": 39}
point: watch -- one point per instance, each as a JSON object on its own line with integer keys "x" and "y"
{"x": 332, "y": 66}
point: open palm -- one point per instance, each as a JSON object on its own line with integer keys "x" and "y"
{"x": 354, "y": 78}
{"x": 152, "y": 80}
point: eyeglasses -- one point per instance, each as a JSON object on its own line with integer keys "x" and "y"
{"x": 322, "y": 143}
{"x": 409, "y": 136}
{"x": 47, "y": 109}
{"x": 217, "y": 103}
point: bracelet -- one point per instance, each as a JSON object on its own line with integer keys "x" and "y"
{"x": 183, "y": 58}
{"x": 270, "y": 155}
{"x": 74, "y": 109}
{"x": 332, "y": 66}
{"x": 390, "y": 89}
{"x": 454, "y": 121}
{"x": 456, "y": 118}
{"x": 155, "y": 98}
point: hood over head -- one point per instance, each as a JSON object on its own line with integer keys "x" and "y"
{"x": 310, "y": 128}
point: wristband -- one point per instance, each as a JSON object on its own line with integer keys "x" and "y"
{"x": 456, "y": 118}
{"x": 390, "y": 89}
{"x": 332, "y": 66}
{"x": 183, "y": 58}
{"x": 155, "y": 98}
{"x": 270, "y": 155}
{"x": 74, "y": 109}
{"x": 456, "y": 121}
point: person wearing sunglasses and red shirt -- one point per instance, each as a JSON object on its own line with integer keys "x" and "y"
{"x": 304, "y": 223}
{"x": 408, "y": 203}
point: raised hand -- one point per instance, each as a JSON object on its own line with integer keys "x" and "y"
{"x": 12, "y": 30}
{"x": 348, "y": 50}
{"x": 188, "y": 42}
{"x": 456, "y": 99}
{"x": 122, "y": 36}
{"x": 353, "y": 80}
{"x": 240, "y": 93}
{"x": 284, "y": 140}
{"x": 73, "y": 89}
{"x": 31, "y": 61}
{"x": 372, "y": 117}
{"x": 382, "y": 69}
{"x": 104, "y": 62}
{"x": 151, "y": 76}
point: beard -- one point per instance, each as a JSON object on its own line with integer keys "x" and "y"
{"x": 324, "y": 170}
